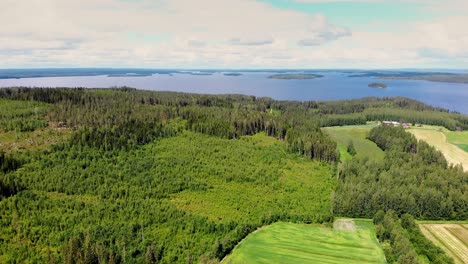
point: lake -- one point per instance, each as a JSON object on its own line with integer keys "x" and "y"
{"x": 333, "y": 86}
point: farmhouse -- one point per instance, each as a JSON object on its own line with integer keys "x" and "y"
{"x": 391, "y": 123}
{"x": 396, "y": 124}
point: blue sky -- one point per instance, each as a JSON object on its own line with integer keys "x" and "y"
{"x": 358, "y": 14}
{"x": 234, "y": 33}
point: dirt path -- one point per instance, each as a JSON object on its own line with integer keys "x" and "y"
{"x": 345, "y": 225}
{"x": 452, "y": 153}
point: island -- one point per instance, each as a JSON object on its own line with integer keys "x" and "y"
{"x": 421, "y": 76}
{"x": 74, "y": 72}
{"x": 295, "y": 76}
{"x": 232, "y": 74}
{"x": 200, "y": 73}
{"x": 377, "y": 85}
{"x": 129, "y": 75}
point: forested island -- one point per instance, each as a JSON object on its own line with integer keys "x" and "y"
{"x": 232, "y": 74}
{"x": 295, "y": 76}
{"x": 130, "y": 176}
{"x": 424, "y": 76}
{"x": 377, "y": 85}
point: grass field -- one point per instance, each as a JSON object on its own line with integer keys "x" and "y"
{"x": 450, "y": 143}
{"x": 298, "y": 243}
{"x": 364, "y": 147}
{"x": 452, "y": 238}
{"x": 458, "y": 138}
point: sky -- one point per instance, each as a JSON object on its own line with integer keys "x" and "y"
{"x": 234, "y": 34}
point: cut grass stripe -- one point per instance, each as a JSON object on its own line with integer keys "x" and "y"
{"x": 453, "y": 245}
{"x": 296, "y": 243}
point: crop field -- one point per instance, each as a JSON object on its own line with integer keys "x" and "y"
{"x": 458, "y": 138}
{"x": 357, "y": 134}
{"x": 350, "y": 241}
{"x": 448, "y": 142}
{"x": 452, "y": 238}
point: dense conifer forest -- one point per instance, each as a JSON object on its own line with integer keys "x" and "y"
{"x": 413, "y": 178}
{"x": 164, "y": 177}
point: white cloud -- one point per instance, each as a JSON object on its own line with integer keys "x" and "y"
{"x": 210, "y": 33}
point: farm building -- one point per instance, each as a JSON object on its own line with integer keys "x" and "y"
{"x": 391, "y": 123}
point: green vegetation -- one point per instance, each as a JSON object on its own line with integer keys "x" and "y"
{"x": 297, "y": 76}
{"x": 129, "y": 182}
{"x": 413, "y": 178}
{"x": 296, "y": 243}
{"x": 358, "y": 136}
{"x": 22, "y": 116}
{"x": 126, "y": 176}
{"x": 403, "y": 241}
{"x": 458, "y": 138}
{"x": 39, "y": 139}
{"x": 158, "y": 194}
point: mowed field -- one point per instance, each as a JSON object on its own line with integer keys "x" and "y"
{"x": 357, "y": 134}
{"x": 450, "y": 143}
{"x": 452, "y": 238}
{"x": 351, "y": 241}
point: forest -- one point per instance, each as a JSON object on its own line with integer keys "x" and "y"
{"x": 165, "y": 177}
{"x": 403, "y": 241}
{"x": 413, "y": 178}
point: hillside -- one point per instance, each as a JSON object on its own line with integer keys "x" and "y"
{"x": 127, "y": 176}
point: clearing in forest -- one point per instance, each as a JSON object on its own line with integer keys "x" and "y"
{"x": 300, "y": 243}
{"x": 444, "y": 141}
{"x": 452, "y": 238}
{"x": 357, "y": 134}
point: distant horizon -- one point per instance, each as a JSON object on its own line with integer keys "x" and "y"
{"x": 240, "y": 69}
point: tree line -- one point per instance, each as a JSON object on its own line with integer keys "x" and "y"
{"x": 403, "y": 241}
{"x": 413, "y": 178}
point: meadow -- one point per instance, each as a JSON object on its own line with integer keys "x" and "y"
{"x": 298, "y": 243}
{"x": 452, "y": 238}
{"x": 358, "y": 135}
{"x": 451, "y": 143}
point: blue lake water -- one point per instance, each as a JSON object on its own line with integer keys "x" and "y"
{"x": 333, "y": 86}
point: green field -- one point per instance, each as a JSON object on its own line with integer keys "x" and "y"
{"x": 357, "y": 134}
{"x": 459, "y": 139}
{"x": 298, "y": 243}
